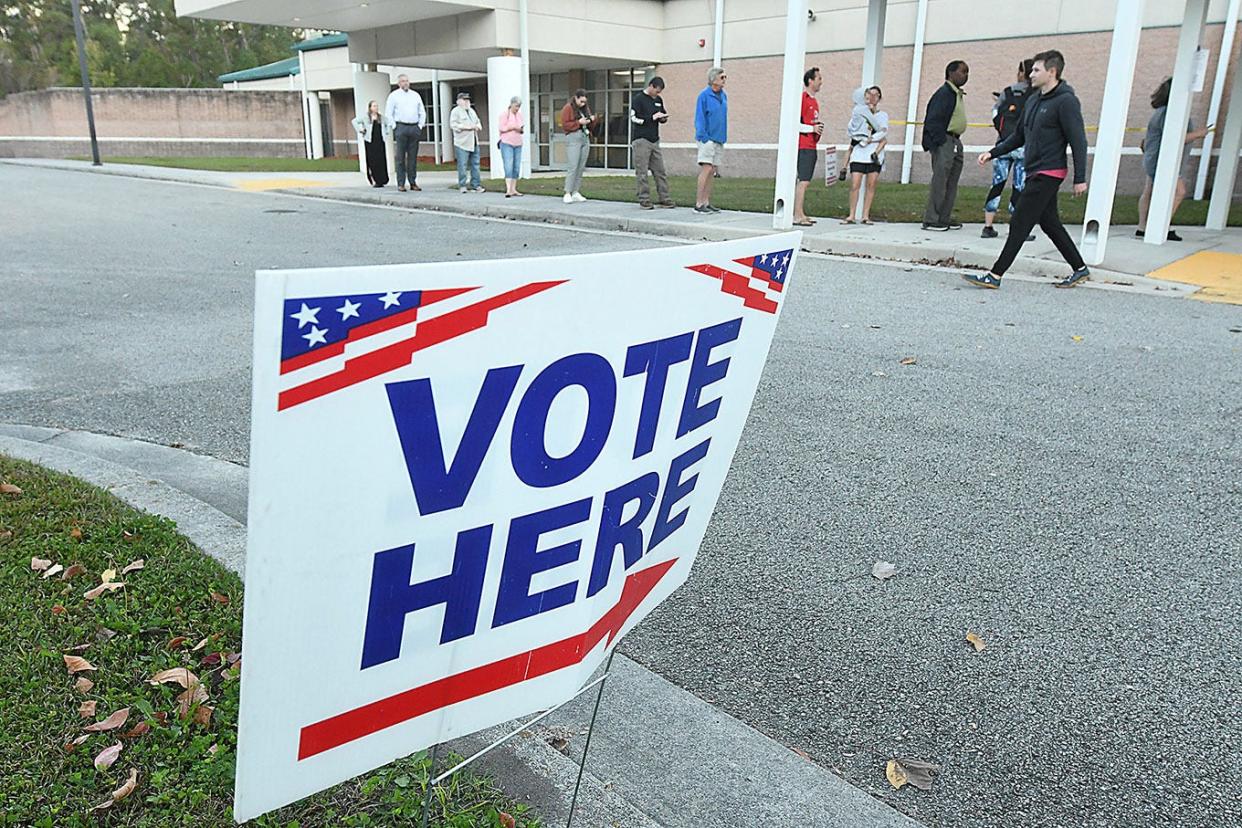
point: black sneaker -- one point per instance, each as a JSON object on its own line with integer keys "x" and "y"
{"x": 955, "y": 225}
{"x": 1174, "y": 237}
{"x": 986, "y": 280}
{"x": 703, "y": 209}
{"x": 989, "y": 233}
{"x": 712, "y": 208}
{"x": 1140, "y": 234}
{"x": 645, "y": 205}
{"x": 1078, "y": 276}
{"x": 666, "y": 205}
{"x": 939, "y": 228}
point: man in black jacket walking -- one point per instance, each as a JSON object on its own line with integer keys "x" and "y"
{"x": 943, "y": 126}
{"x": 1051, "y": 120}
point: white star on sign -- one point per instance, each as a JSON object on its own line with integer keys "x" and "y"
{"x": 315, "y": 337}
{"x": 306, "y": 315}
{"x": 391, "y": 298}
{"x": 348, "y": 309}
{"x": 763, "y": 259}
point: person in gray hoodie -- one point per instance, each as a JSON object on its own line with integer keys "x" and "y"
{"x": 1051, "y": 122}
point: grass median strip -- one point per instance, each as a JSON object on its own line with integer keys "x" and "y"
{"x": 893, "y": 202}
{"x": 119, "y": 680}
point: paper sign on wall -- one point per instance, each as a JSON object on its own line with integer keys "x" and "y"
{"x": 469, "y": 480}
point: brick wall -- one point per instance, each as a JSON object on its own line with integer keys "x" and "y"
{"x": 754, "y": 99}
{"x": 159, "y": 122}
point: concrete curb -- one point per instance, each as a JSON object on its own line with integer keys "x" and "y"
{"x": 1025, "y": 268}
{"x": 687, "y": 762}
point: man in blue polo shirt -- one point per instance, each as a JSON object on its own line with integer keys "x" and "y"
{"x": 711, "y": 130}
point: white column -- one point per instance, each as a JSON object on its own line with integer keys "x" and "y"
{"x": 1218, "y": 92}
{"x": 912, "y": 106}
{"x": 791, "y": 115}
{"x": 718, "y": 35}
{"x": 1227, "y": 163}
{"x": 873, "y": 51}
{"x": 359, "y": 110}
{"x": 306, "y": 124}
{"x": 528, "y": 108}
{"x": 873, "y": 58}
{"x": 316, "y": 124}
{"x": 1176, "y": 119}
{"x": 435, "y": 116}
{"x": 504, "y": 80}
{"x": 446, "y": 108}
{"x": 1114, "y": 110}
{"x": 370, "y": 86}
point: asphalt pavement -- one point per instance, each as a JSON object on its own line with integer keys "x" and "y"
{"x": 1057, "y": 471}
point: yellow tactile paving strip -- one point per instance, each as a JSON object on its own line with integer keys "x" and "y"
{"x": 255, "y": 185}
{"x": 1218, "y": 274}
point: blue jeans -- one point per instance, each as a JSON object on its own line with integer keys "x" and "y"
{"x": 1000, "y": 174}
{"x": 512, "y": 156}
{"x": 470, "y": 157}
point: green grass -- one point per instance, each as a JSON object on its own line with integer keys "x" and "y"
{"x": 893, "y": 202}
{"x": 185, "y": 769}
{"x": 240, "y": 164}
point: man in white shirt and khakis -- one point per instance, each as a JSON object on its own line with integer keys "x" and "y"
{"x": 464, "y": 122}
{"x": 405, "y": 107}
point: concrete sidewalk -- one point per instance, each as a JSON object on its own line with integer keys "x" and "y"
{"x": 1127, "y": 267}
{"x": 660, "y": 757}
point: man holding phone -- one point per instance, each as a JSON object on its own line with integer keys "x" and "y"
{"x": 647, "y": 113}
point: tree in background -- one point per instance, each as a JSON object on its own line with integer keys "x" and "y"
{"x": 128, "y": 44}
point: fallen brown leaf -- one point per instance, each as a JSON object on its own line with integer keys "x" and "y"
{"x": 9, "y": 488}
{"x": 506, "y": 821}
{"x": 75, "y": 533}
{"x": 161, "y": 718}
{"x": 39, "y": 564}
{"x": 128, "y": 536}
{"x": 219, "y": 599}
{"x": 111, "y": 723}
{"x": 912, "y": 771}
{"x": 203, "y": 715}
{"x": 136, "y": 731}
{"x": 113, "y": 586}
{"x": 72, "y": 572}
{"x": 105, "y": 634}
{"x": 47, "y": 573}
{"x": 975, "y": 640}
{"x": 211, "y": 751}
{"x": 128, "y": 787}
{"x": 200, "y": 645}
{"x": 6, "y": 534}
{"x": 196, "y": 694}
{"x": 70, "y": 747}
{"x": 233, "y": 658}
{"x": 107, "y": 576}
{"x": 908, "y": 361}
{"x": 57, "y": 609}
{"x": 211, "y": 660}
{"x": 105, "y": 757}
{"x": 174, "y": 675}
{"x": 134, "y": 565}
{"x": 83, "y": 685}
{"x": 77, "y": 664}
{"x": 176, "y": 641}
{"x": 87, "y": 709}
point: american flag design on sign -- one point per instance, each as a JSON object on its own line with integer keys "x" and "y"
{"x": 760, "y": 286}
{"x": 332, "y": 342}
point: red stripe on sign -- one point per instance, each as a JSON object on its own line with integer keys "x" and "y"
{"x": 397, "y": 355}
{"x": 410, "y": 704}
{"x": 738, "y": 285}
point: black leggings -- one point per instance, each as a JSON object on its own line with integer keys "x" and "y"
{"x": 1038, "y": 205}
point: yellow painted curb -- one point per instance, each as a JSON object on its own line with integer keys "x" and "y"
{"x": 255, "y": 185}
{"x": 1218, "y": 274}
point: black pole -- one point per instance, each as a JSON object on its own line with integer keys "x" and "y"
{"x": 79, "y": 34}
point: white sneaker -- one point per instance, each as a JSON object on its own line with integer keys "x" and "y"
{"x": 463, "y": 190}
{"x": 568, "y": 199}
{"x": 579, "y": 197}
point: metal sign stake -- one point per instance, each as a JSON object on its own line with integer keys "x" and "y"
{"x": 573, "y": 803}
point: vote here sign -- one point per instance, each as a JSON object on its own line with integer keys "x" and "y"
{"x": 468, "y": 480}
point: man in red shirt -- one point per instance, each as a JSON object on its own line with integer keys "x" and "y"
{"x": 809, "y": 130}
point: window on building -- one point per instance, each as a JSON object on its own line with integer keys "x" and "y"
{"x": 608, "y": 93}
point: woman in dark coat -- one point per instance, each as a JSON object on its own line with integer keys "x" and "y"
{"x": 372, "y": 129}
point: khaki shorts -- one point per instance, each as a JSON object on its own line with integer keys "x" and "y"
{"x": 710, "y": 153}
